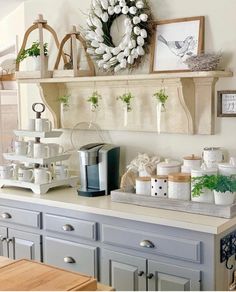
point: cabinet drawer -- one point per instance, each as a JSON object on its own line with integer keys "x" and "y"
{"x": 70, "y": 226}
{"x": 20, "y": 216}
{"x": 184, "y": 249}
{"x": 71, "y": 256}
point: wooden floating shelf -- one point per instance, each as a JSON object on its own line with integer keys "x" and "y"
{"x": 8, "y": 77}
{"x": 42, "y": 161}
{"x": 227, "y": 211}
{"x": 113, "y": 78}
{"x": 34, "y": 134}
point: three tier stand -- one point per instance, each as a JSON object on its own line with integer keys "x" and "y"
{"x": 37, "y": 162}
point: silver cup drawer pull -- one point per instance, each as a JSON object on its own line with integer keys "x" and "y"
{"x": 146, "y": 243}
{"x": 6, "y": 215}
{"x": 69, "y": 260}
{"x": 67, "y": 227}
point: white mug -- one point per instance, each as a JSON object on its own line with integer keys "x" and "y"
{"x": 43, "y": 125}
{"x": 6, "y": 172}
{"x": 41, "y": 150}
{"x": 42, "y": 176}
{"x": 21, "y": 147}
{"x": 61, "y": 172}
{"x": 55, "y": 149}
{"x": 30, "y": 148}
{"x": 31, "y": 125}
{"x": 25, "y": 174}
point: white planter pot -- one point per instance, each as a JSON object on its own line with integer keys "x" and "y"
{"x": 207, "y": 196}
{"x": 37, "y": 63}
{"x": 226, "y": 198}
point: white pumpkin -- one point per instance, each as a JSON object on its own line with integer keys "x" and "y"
{"x": 107, "y": 57}
{"x": 136, "y": 20}
{"x": 105, "y": 17}
{"x": 122, "y": 3}
{"x": 143, "y": 17}
{"x": 95, "y": 44}
{"x": 137, "y": 30}
{"x": 140, "y": 41}
{"x": 117, "y": 9}
{"x": 104, "y": 4}
{"x": 125, "y": 10}
{"x": 143, "y": 33}
{"x": 133, "y": 10}
{"x": 111, "y": 10}
{"x": 139, "y": 4}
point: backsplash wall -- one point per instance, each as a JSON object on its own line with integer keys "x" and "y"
{"x": 219, "y": 35}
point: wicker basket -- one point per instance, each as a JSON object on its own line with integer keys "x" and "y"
{"x": 204, "y": 62}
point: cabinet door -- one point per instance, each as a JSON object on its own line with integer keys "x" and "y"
{"x": 3, "y": 242}
{"x": 71, "y": 256}
{"x": 123, "y": 272}
{"x": 24, "y": 245}
{"x": 167, "y": 277}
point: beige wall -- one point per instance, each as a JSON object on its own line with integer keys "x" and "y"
{"x": 220, "y": 35}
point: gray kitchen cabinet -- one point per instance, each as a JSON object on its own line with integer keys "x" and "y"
{"x": 3, "y": 242}
{"x": 130, "y": 273}
{"x": 71, "y": 255}
{"x": 123, "y": 272}
{"x": 166, "y": 277}
{"x": 24, "y": 245}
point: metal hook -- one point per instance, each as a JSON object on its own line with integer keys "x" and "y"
{"x": 227, "y": 265}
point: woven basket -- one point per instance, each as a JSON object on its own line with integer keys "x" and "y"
{"x": 204, "y": 62}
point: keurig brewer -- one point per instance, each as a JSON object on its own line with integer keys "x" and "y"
{"x": 99, "y": 169}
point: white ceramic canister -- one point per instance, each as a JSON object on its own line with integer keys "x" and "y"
{"x": 159, "y": 186}
{"x": 206, "y": 196}
{"x": 227, "y": 169}
{"x": 179, "y": 186}
{"x": 212, "y": 156}
{"x": 191, "y": 162}
{"x": 168, "y": 166}
{"x": 143, "y": 186}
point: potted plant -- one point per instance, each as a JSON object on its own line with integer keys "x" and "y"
{"x": 161, "y": 98}
{"x": 64, "y": 106}
{"x": 224, "y": 187}
{"x": 94, "y": 101}
{"x": 126, "y": 99}
{"x": 34, "y": 52}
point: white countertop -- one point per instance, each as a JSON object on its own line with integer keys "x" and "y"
{"x": 68, "y": 198}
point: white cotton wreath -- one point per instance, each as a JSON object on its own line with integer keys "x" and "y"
{"x": 134, "y": 44}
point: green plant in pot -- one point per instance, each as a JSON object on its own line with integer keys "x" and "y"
{"x": 126, "y": 100}
{"x": 94, "y": 101}
{"x": 64, "y": 100}
{"x": 161, "y": 98}
{"x": 224, "y": 187}
{"x": 34, "y": 52}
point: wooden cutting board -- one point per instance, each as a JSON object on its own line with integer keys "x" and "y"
{"x": 26, "y": 275}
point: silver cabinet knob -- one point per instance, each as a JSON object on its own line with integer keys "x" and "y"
{"x": 69, "y": 260}
{"x": 67, "y": 227}
{"x": 9, "y": 240}
{"x": 6, "y": 215}
{"x": 150, "y": 276}
{"x": 147, "y": 243}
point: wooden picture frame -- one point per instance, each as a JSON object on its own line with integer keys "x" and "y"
{"x": 226, "y": 103}
{"x": 173, "y": 41}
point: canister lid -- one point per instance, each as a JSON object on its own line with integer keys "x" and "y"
{"x": 179, "y": 177}
{"x": 143, "y": 178}
{"x": 169, "y": 163}
{"x": 192, "y": 157}
{"x": 159, "y": 176}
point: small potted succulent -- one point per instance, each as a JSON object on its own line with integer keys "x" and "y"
{"x": 34, "y": 52}
{"x": 224, "y": 187}
{"x": 126, "y": 100}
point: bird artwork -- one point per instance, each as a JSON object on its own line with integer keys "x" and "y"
{"x": 180, "y": 48}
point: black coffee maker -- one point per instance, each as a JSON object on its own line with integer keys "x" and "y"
{"x": 99, "y": 169}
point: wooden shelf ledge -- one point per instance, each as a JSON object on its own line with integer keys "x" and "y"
{"x": 136, "y": 77}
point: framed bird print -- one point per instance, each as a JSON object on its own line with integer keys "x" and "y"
{"x": 174, "y": 41}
